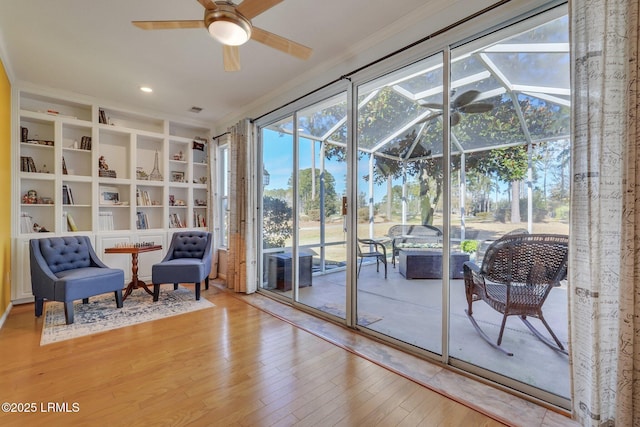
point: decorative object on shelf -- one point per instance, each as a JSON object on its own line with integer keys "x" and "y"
{"x": 141, "y": 174}
{"x": 178, "y": 156}
{"x": 198, "y": 143}
{"x": 109, "y": 196}
{"x": 203, "y": 180}
{"x": 39, "y": 229}
{"x": 180, "y": 202}
{"x": 103, "y": 169}
{"x": 64, "y": 167}
{"x": 44, "y": 169}
{"x": 199, "y": 202}
{"x": 30, "y": 198}
{"x": 155, "y": 173}
{"x": 172, "y": 200}
{"x": 24, "y": 134}
{"x": 177, "y": 176}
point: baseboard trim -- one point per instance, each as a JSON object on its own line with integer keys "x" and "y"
{"x": 5, "y": 315}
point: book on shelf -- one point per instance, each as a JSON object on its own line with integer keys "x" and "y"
{"x": 175, "y": 221}
{"x": 67, "y": 195}
{"x": 27, "y": 164}
{"x": 142, "y": 222}
{"x": 64, "y": 166}
{"x": 143, "y": 198}
{"x": 85, "y": 143}
{"x": 199, "y": 220}
{"x": 26, "y": 223}
{"x": 105, "y": 220}
{"x": 71, "y": 224}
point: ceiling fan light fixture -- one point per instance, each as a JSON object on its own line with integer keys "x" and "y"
{"x": 228, "y": 26}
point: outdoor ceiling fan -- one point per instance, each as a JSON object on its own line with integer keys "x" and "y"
{"x": 230, "y": 24}
{"x": 462, "y": 104}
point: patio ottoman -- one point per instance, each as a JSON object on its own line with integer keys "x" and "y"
{"x": 421, "y": 264}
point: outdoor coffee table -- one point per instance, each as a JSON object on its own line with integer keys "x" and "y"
{"x": 134, "y": 251}
{"x": 427, "y": 264}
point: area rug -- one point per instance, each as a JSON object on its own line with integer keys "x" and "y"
{"x": 364, "y": 319}
{"x": 101, "y": 314}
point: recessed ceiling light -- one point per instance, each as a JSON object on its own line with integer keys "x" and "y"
{"x": 146, "y": 89}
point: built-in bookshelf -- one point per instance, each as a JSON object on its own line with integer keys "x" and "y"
{"x": 118, "y": 176}
{"x": 84, "y": 167}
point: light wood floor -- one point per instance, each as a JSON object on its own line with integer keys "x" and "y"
{"x": 229, "y": 365}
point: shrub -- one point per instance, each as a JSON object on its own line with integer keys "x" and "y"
{"x": 469, "y": 246}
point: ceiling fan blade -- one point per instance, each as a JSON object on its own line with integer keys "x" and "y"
{"x": 168, "y": 25}
{"x": 278, "y": 42}
{"x": 455, "y": 118}
{"x": 231, "y": 58}
{"x": 477, "y": 107}
{"x": 465, "y": 98}
{"x": 208, "y": 4}
{"x": 252, "y": 8}
{"x": 432, "y": 105}
{"x": 428, "y": 118}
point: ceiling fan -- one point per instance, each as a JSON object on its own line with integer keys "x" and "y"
{"x": 462, "y": 104}
{"x": 230, "y": 24}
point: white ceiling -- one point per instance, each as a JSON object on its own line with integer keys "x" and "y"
{"x": 91, "y": 48}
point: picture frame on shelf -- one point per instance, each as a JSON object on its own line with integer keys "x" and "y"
{"x": 177, "y": 176}
{"x": 109, "y": 195}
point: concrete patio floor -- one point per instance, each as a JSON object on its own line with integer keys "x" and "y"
{"x": 410, "y": 311}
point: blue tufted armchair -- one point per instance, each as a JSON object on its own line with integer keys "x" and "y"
{"x": 188, "y": 260}
{"x": 66, "y": 269}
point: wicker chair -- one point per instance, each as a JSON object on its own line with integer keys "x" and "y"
{"x": 518, "y": 272}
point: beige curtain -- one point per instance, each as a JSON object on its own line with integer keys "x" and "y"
{"x": 212, "y": 215}
{"x": 604, "y": 302}
{"x": 241, "y": 258}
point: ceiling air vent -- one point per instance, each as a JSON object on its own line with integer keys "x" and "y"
{"x": 195, "y": 109}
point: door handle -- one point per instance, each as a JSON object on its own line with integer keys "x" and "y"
{"x": 344, "y": 205}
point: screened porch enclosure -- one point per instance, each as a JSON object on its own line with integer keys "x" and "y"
{"x": 502, "y": 126}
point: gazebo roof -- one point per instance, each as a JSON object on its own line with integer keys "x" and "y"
{"x": 522, "y": 71}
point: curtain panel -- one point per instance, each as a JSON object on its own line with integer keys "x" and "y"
{"x": 604, "y": 297}
{"x": 241, "y": 257}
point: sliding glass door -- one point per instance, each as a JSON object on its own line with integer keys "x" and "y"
{"x": 399, "y": 204}
{"x": 376, "y": 197}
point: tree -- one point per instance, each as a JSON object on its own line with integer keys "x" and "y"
{"x": 277, "y": 227}
{"x": 309, "y": 200}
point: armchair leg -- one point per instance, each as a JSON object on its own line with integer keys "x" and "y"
{"x": 360, "y": 267}
{"x": 85, "y": 300}
{"x": 39, "y": 306}
{"x": 156, "y": 291}
{"x": 68, "y": 311}
{"x": 118, "y": 298}
{"x": 197, "y": 291}
{"x": 206, "y": 283}
{"x": 175, "y": 286}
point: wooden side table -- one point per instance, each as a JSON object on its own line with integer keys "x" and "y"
{"x": 134, "y": 251}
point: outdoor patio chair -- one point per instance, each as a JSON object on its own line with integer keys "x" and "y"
{"x": 375, "y": 250}
{"x": 517, "y": 273}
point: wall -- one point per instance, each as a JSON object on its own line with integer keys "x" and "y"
{"x": 5, "y": 188}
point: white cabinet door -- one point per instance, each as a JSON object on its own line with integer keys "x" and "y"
{"x": 21, "y": 281}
